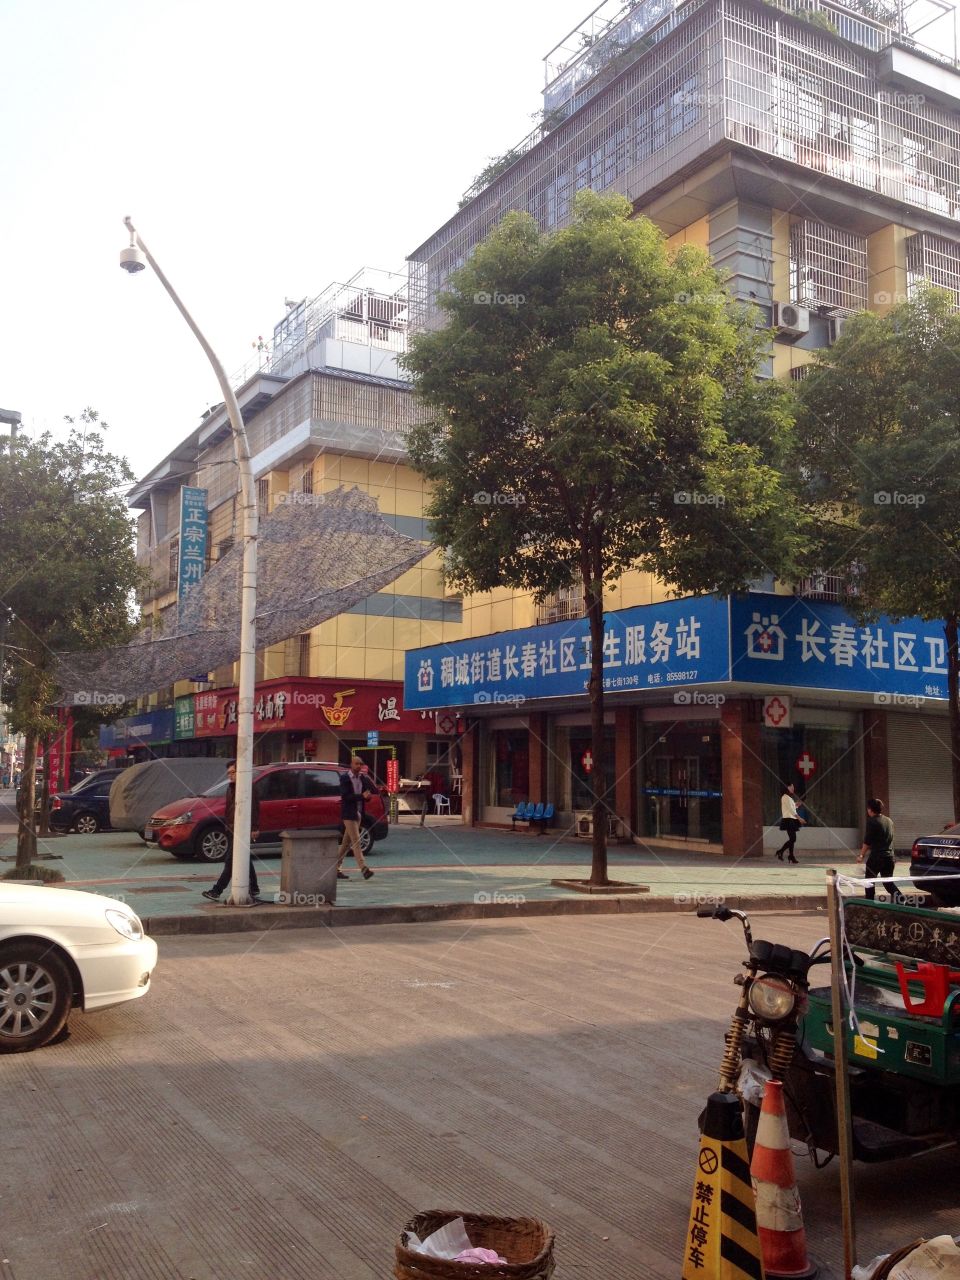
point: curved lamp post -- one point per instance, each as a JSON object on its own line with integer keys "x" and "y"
{"x": 133, "y": 259}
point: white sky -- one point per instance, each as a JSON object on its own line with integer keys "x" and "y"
{"x": 263, "y": 150}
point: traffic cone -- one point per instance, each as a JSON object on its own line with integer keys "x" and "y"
{"x": 783, "y": 1240}
{"x": 722, "y": 1241}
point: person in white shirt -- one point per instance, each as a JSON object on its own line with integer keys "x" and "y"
{"x": 790, "y": 822}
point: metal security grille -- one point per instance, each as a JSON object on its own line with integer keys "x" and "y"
{"x": 568, "y": 602}
{"x": 933, "y": 260}
{"x": 828, "y": 267}
{"x": 756, "y": 76}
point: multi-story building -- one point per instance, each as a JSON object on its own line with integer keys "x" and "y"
{"x": 812, "y": 147}
{"x": 325, "y": 404}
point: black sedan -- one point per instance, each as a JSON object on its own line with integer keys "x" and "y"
{"x": 938, "y": 856}
{"x": 86, "y": 807}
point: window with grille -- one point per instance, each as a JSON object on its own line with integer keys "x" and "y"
{"x": 560, "y": 605}
{"x": 828, "y": 267}
{"x": 306, "y": 480}
{"x": 174, "y": 561}
{"x": 303, "y": 665}
{"x": 933, "y": 260}
{"x": 263, "y": 496}
{"x": 223, "y": 547}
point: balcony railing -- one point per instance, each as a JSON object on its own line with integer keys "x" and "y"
{"x": 562, "y": 606}
{"x": 833, "y": 588}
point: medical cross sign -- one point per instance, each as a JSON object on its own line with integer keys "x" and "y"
{"x": 587, "y": 761}
{"x": 806, "y": 765}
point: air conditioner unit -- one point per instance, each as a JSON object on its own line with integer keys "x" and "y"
{"x": 792, "y": 321}
{"x": 836, "y": 328}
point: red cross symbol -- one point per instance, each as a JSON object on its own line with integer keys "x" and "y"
{"x": 806, "y": 764}
{"x": 765, "y": 641}
{"x": 776, "y": 711}
{"x": 587, "y": 761}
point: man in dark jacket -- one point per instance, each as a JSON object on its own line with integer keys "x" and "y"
{"x": 355, "y": 786}
{"x": 877, "y": 848}
{"x": 228, "y": 821}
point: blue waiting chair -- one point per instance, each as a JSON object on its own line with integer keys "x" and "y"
{"x": 518, "y": 812}
{"x": 545, "y": 818}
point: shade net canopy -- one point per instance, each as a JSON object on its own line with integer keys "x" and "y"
{"x": 318, "y": 555}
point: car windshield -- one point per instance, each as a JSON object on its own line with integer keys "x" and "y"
{"x": 220, "y": 788}
{"x": 84, "y": 783}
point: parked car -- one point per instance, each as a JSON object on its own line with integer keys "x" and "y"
{"x": 85, "y": 808}
{"x": 938, "y": 856}
{"x": 290, "y": 795}
{"x": 63, "y": 949}
{"x": 144, "y": 788}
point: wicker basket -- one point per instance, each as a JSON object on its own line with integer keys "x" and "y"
{"x": 526, "y": 1242}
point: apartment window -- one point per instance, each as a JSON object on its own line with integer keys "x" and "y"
{"x": 561, "y": 605}
{"x": 263, "y": 496}
{"x": 306, "y": 480}
{"x": 223, "y": 547}
{"x": 303, "y": 659}
{"x": 828, "y": 267}
{"x": 174, "y": 561}
{"x": 933, "y": 260}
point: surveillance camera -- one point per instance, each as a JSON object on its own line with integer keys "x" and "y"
{"x": 132, "y": 260}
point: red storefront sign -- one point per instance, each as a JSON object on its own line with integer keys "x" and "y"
{"x": 393, "y": 776}
{"x": 346, "y": 706}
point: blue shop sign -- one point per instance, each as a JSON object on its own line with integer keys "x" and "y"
{"x": 138, "y": 731}
{"x": 769, "y": 640}
{"x": 786, "y": 641}
{"x": 193, "y": 538}
{"x": 662, "y": 646}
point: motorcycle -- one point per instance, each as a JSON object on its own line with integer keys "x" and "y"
{"x": 903, "y": 1065}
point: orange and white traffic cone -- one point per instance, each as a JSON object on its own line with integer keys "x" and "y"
{"x": 783, "y": 1241}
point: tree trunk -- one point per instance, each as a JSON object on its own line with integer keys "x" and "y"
{"x": 953, "y": 694}
{"x": 26, "y": 833}
{"x": 44, "y": 824}
{"x": 593, "y": 588}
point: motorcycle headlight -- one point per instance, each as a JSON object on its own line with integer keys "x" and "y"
{"x": 772, "y": 999}
{"x": 125, "y": 923}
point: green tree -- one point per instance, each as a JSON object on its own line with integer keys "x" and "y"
{"x": 67, "y": 573}
{"x": 878, "y": 435}
{"x": 605, "y": 390}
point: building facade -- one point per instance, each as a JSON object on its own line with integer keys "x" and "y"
{"x": 325, "y": 404}
{"x": 814, "y": 152}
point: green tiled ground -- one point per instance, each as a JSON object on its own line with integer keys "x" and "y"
{"x": 442, "y": 862}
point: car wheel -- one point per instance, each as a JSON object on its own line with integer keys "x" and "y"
{"x": 366, "y": 841}
{"x": 211, "y": 845}
{"x": 86, "y": 824}
{"x": 36, "y": 993}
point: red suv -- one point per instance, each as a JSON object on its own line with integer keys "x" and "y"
{"x": 290, "y": 795}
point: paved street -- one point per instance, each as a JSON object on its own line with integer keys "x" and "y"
{"x": 279, "y": 1103}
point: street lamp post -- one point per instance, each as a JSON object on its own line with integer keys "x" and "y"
{"x": 132, "y": 260}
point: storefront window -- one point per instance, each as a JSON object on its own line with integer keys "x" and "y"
{"x": 573, "y": 766}
{"x": 823, "y": 762}
{"x": 508, "y": 767}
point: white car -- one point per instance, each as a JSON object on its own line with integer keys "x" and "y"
{"x": 63, "y": 949}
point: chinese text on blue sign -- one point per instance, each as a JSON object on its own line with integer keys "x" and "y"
{"x": 193, "y": 538}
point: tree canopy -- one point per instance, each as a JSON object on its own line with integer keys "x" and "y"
{"x": 879, "y": 467}
{"x": 594, "y": 407}
{"x": 67, "y": 566}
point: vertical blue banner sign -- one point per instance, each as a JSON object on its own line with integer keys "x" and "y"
{"x": 193, "y": 538}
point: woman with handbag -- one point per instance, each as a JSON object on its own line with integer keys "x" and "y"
{"x": 790, "y": 821}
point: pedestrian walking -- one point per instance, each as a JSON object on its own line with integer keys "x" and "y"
{"x": 790, "y": 822}
{"x": 355, "y": 786}
{"x": 877, "y": 848}
{"x": 228, "y": 821}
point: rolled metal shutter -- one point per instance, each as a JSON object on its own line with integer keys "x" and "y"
{"x": 921, "y": 787}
